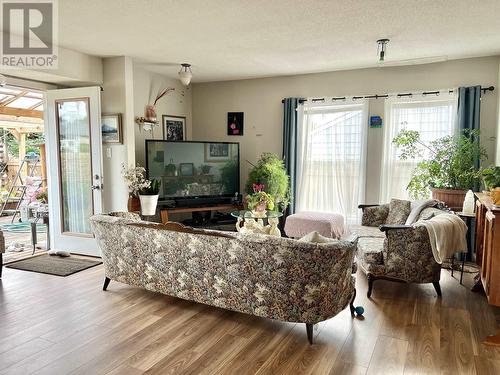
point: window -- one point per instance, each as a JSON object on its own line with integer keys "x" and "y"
{"x": 432, "y": 116}
{"x": 331, "y": 158}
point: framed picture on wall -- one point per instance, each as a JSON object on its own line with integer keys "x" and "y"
{"x": 235, "y": 123}
{"x": 174, "y": 128}
{"x": 217, "y": 152}
{"x": 111, "y": 128}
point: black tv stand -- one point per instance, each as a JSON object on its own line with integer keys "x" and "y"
{"x": 165, "y": 212}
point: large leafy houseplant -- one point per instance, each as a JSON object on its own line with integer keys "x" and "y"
{"x": 271, "y": 173}
{"x": 449, "y": 162}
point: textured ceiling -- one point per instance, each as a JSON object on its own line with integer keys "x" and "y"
{"x": 233, "y": 39}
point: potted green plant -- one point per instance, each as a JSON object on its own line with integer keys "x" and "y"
{"x": 270, "y": 172}
{"x": 149, "y": 198}
{"x": 491, "y": 177}
{"x": 448, "y": 167}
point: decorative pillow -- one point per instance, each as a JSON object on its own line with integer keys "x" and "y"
{"x": 399, "y": 210}
{"x": 375, "y": 216}
{"x": 315, "y": 237}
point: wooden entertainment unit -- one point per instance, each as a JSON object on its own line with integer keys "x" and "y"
{"x": 164, "y": 212}
{"x": 488, "y": 252}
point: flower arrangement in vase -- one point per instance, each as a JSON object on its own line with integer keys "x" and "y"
{"x": 136, "y": 182}
{"x": 260, "y": 201}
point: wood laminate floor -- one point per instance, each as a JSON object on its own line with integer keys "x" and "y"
{"x": 56, "y": 325}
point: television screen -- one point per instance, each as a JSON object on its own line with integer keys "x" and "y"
{"x": 194, "y": 169}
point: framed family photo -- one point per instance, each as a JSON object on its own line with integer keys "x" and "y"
{"x": 174, "y": 128}
{"x": 111, "y": 128}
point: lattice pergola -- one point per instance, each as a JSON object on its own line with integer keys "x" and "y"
{"x": 21, "y": 113}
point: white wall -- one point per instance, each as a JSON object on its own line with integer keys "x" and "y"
{"x": 178, "y": 103}
{"x": 260, "y": 100}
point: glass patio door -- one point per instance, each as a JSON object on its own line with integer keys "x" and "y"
{"x": 74, "y": 165}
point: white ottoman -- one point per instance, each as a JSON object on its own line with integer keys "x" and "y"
{"x": 326, "y": 224}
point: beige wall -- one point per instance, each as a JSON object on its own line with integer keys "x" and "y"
{"x": 260, "y": 100}
{"x": 497, "y": 155}
{"x": 116, "y": 94}
{"x": 74, "y": 69}
{"x": 178, "y": 103}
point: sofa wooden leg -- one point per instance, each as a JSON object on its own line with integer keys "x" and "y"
{"x": 437, "y": 287}
{"x": 351, "y": 304}
{"x": 309, "y": 329}
{"x": 106, "y": 283}
{"x": 371, "y": 279}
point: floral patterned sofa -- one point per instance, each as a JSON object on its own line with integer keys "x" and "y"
{"x": 267, "y": 276}
{"x": 391, "y": 249}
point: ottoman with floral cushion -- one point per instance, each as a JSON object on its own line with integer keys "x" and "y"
{"x": 307, "y": 280}
{"x": 329, "y": 225}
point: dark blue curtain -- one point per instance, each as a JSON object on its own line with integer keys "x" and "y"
{"x": 469, "y": 108}
{"x": 290, "y": 119}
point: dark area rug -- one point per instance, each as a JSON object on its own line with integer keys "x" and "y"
{"x": 54, "y": 265}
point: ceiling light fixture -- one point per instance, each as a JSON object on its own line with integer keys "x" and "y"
{"x": 185, "y": 74}
{"x": 381, "y": 48}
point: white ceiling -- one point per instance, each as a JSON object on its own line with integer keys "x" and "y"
{"x": 233, "y": 39}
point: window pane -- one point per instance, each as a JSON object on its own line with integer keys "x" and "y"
{"x": 332, "y": 159}
{"x": 433, "y": 118}
{"x": 75, "y": 165}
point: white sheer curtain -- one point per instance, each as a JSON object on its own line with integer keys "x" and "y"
{"x": 433, "y": 116}
{"x": 332, "y": 157}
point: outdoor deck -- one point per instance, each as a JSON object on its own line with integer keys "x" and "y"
{"x": 23, "y": 238}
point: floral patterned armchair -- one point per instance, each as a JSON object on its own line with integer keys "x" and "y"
{"x": 396, "y": 252}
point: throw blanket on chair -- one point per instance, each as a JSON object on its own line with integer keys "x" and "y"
{"x": 447, "y": 233}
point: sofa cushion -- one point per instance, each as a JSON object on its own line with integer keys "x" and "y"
{"x": 370, "y": 250}
{"x": 365, "y": 231}
{"x": 399, "y": 210}
{"x": 375, "y": 216}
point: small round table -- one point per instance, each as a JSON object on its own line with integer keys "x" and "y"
{"x": 253, "y": 223}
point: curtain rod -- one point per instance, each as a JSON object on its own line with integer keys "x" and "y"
{"x": 376, "y": 96}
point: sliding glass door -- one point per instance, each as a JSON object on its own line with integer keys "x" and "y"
{"x": 332, "y": 157}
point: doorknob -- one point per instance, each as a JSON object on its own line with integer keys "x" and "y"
{"x": 95, "y": 187}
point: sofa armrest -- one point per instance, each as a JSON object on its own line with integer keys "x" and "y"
{"x": 408, "y": 254}
{"x": 388, "y": 227}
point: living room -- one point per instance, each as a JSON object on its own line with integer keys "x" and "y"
{"x": 293, "y": 214}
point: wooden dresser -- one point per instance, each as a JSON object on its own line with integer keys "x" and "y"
{"x": 488, "y": 252}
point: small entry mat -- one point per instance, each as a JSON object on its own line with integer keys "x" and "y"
{"x": 54, "y": 265}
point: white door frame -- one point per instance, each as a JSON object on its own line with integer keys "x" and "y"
{"x": 73, "y": 242}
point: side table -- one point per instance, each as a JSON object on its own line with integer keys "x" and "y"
{"x": 469, "y": 220}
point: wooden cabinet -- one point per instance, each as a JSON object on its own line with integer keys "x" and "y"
{"x": 488, "y": 252}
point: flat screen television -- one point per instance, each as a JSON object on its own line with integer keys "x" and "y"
{"x": 191, "y": 169}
